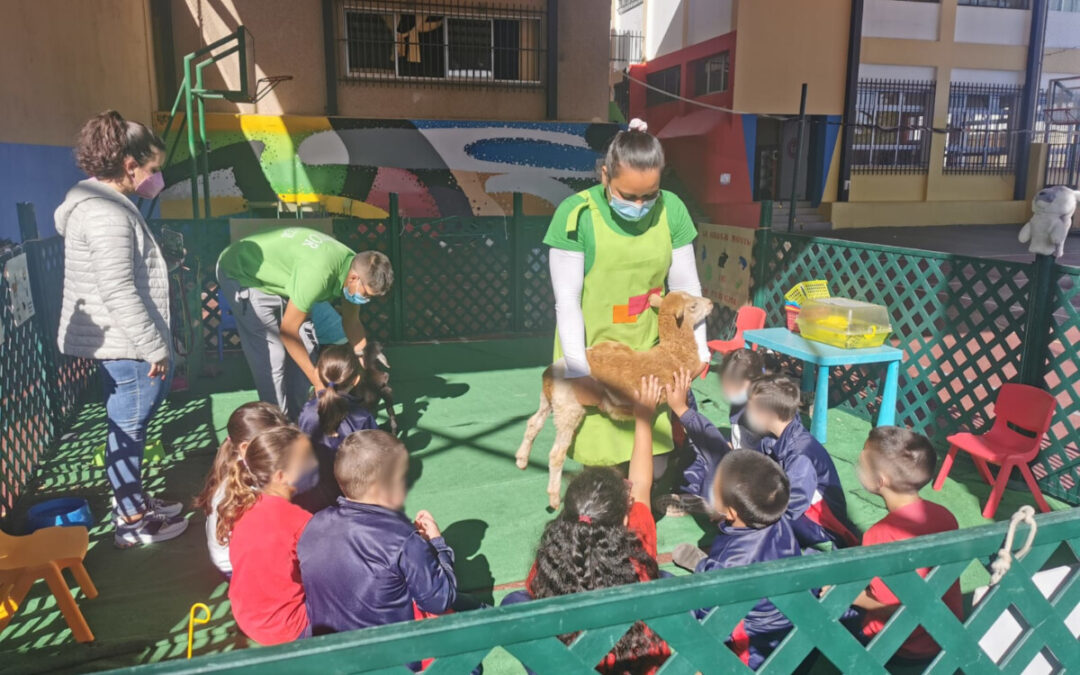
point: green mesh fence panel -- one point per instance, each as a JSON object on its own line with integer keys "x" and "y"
{"x": 537, "y": 298}
{"x": 959, "y": 320}
{"x": 372, "y": 235}
{"x": 1058, "y": 466}
{"x": 976, "y": 643}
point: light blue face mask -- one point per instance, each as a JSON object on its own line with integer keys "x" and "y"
{"x": 355, "y": 298}
{"x": 630, "y": 210}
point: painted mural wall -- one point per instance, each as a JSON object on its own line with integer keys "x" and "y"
{"x": 350, "y": 166}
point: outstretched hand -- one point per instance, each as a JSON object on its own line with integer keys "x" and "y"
{"x": 646, "y": 397}
{"x": 678, "y": 393}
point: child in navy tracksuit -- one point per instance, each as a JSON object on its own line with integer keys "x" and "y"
{"x": 362, "y": 561}
{"x": 751, "y": 495}
{"x": 816, "y": 491}
{"x": 331, "y": 416}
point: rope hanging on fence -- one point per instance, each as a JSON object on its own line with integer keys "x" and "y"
{"x": 1003, "y": 561}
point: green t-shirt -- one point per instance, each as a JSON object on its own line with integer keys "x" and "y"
{"x": 682, "y": 227}
{"x": 298, "y": 263}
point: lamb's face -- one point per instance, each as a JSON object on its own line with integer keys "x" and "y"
{"x": 1057, "y": 200}
{"x": 685, "y": 307}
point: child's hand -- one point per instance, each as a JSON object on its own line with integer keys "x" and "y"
{"x": 678, "y": 392}
{"x": 646, "y": 397}
{"x": 425, "y": 524}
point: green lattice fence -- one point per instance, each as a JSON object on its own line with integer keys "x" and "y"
{"x": 527, "y": 631}
{"x": 1058, "y": 468}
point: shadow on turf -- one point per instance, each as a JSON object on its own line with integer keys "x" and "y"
{"x": 471, "y": 567}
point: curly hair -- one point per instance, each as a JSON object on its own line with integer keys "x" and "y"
{"x": 107, "y": 139}
{"x": 244, "y": 424}
{"x": 588, "y": 546}
{"x": 268, "y": 453}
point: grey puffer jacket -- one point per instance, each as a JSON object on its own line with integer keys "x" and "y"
{"x": 116, "y": 282}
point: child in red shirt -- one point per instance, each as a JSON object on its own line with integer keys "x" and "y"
{"x": 895, "y": 464}
{"x": 606, "y": 536}
{"x": 265, "y": 526}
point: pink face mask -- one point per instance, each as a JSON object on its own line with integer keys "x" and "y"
{"x": 152, "y": 186}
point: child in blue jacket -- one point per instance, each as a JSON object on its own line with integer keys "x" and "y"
{"x": 773, "y": 411}
{"x": 751, "y": 495}
{"x": 330, "y": 417}
{"x": 362, "y": 561}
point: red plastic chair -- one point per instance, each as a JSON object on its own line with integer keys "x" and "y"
{"x": 1022, "y": 416}
{"x": 748, "y": 318}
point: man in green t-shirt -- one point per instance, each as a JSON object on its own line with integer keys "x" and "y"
{"x": 271, "y": 280}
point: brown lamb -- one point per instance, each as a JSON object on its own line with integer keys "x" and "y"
{"x": 619, "y": 370}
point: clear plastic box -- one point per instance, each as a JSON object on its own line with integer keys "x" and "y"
{"x": 842, "y": 322}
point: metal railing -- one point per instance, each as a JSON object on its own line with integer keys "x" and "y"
{"x": 627, "y": 49}
{"x": 892, "y": 132}
{"x": 982, "y": 124}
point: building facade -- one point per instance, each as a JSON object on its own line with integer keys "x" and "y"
{"x": 934, "y": 132}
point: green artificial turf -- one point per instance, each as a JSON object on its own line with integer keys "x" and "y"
{"x": 462, "y": 407}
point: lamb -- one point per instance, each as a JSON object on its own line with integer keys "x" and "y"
{"x": 374, "y": 386}
{"x": 619, "y": 370}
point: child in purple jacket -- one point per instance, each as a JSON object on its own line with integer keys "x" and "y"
{"x": 362, "y": 561}
{"x": 331, "y": 416}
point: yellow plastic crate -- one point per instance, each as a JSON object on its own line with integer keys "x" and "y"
{"x": 807, "y": 290}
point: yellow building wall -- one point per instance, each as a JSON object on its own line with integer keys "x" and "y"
{"x": 62, "y": 62}
{"x": 289, "y": 41}
{"x": 782, "y": 43}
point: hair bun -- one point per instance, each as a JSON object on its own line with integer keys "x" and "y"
{"x": 638, "y": 124}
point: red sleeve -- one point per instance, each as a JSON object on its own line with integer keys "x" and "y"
{"x": 642, "y": 523}
{"x": 880, "y": 533}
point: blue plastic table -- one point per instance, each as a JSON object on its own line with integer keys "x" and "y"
{"x": 826, "y": 356}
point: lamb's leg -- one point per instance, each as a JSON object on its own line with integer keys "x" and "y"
{"x": 536, "y": 423}
{"x": 569, "y": 415}
{"x": 388, "y": 398}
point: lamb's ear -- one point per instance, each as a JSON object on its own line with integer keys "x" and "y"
{"x": 679, "y": 318}
{"x": 381, "y": 358}
{"x": 655, "y": 300}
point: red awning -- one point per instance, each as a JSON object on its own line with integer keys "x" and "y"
{"x": 697, "y": 123}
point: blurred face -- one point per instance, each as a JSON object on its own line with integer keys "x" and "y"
{"x": 721, "y": 510}
{"x": 735, "y": 389}
{"x": 631, "y": 185}
{"x": 759, "y": 419}
{"x": 869, "y": 478}
{"x": 397, "y": 490}
{"x": 301, "y": 469}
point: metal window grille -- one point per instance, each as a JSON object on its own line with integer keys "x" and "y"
{"x": 982, "y": 128}
{"x": 1001, "y": 4}
{"x": 1065, "y": 5}
{"x": 627, "y": 5}
{"x": 892, "y": 133}
{"x": 627, "y": 48}
{"x": 441, "y": 41}
{"x": 1062, "y": 146}
{"x": 711, "y": 74}
{"x": 667, "y": 80}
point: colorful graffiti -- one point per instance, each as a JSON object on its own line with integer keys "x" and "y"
{"x": 351, "y": 166}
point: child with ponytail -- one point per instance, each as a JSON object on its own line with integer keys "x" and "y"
{"x": 606, "y": 536}
{"x": 245, "y": 422}
{"x": 332, "y": 415}
{"x": 262, "y": 527}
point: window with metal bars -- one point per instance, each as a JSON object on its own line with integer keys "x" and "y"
{"x": 1001, "y": 4}
{"x": 666, "y": 80}
{"x": 441, "y": 41}
{"x": 982, "y": 125}
{"x": 892, "y": 126}
{"x": 710, "y": 74}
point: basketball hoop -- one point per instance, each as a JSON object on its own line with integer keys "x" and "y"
{"x": 264, "y": 85}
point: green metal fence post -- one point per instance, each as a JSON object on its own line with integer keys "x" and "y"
{"x": 1037, "y": 326}
{"x": 397, "y": 322}
{"x": 516, "y": 265}
{"x": 761, "y": 249}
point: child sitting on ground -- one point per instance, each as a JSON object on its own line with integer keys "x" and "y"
{"x": 330, "y": 417}
{"x": 363, "y": 562}
{"x": 751, "y": 494}
{"x": 261, "y": 526}
{"x": 606, "y": 536}
{"x": 244, "y": 424}
{"x": 895, "y": 464}
{"x": 737, "y": 371}
{"x": 773, "y": 409}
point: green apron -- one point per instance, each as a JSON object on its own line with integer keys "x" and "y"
{"x": 623, "y": 267}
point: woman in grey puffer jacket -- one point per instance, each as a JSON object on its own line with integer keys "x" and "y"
{"x": 116, "y": 307}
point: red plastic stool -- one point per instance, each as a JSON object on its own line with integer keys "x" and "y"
{"x": 748, "y": 318}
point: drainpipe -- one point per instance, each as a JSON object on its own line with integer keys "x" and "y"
{"x": 330, "y": 55}
{"x": 1030, "y": 101}
{"x": 552, "y": 89}
{"x": 851, "y": 87}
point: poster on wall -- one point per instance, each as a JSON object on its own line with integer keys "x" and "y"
{"x": 18, "y": 281}
{"x": 724, "y": 255}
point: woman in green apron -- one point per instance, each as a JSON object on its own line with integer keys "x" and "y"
{"x": 612, "y": 246}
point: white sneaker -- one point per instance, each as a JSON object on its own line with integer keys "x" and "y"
{"x": 161, "y": 506}
{"x": 151, "y": 528}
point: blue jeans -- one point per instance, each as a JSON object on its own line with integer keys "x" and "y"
{"x": 131, "y": 399}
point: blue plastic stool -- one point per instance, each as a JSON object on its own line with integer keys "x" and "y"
{"x": 65, "y": 512}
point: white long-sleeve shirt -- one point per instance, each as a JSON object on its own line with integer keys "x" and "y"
{"x": 568, "y": 278}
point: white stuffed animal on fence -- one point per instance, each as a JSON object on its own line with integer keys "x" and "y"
{"x": 1052, "y": 212}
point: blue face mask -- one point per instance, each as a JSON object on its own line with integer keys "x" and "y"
{"x": 355, "y": 298}
{"x": 630, "y": 210}
{"x": 307, "y": 481}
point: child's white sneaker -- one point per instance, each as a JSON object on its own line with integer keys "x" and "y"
{"x": 150, "y": 529}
